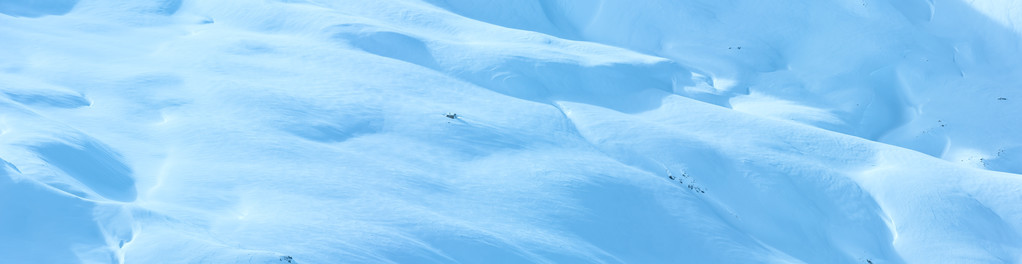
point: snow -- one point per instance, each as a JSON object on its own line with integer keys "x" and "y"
{"x": 611, "y": 131}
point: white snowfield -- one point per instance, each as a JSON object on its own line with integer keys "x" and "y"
{"x": 586, "y": 131}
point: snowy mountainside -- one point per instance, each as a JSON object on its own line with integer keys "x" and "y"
{"x": 265, "y": 131}
{"x": 923, "y": 75}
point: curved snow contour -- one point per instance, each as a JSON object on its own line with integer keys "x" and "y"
{"x": 924, "y": 75}
{"x": 42, "y": 225}
{"x": 315, "y": 132}
{"x": 92, "y": 165}
{"x": 35, "y": 8}
{"x": 849, "y": 198}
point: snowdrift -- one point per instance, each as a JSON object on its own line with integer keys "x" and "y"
{"x": 611, "y": 131}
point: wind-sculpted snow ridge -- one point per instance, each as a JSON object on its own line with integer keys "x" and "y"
{"x": 446, "y": 131}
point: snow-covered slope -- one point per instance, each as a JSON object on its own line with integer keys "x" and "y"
{"x": 611, "y": 131}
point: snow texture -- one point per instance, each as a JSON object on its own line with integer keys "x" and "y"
{"x": 510, "y": 131}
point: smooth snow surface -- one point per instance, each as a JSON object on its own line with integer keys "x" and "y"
{"x": 587, "y": 131}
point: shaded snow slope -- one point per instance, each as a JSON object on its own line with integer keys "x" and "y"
{"x": 925, "y": 75}
{"x": 167, "y": 131}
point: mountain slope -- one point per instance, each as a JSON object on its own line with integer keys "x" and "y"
{"x": 168, "y": 131}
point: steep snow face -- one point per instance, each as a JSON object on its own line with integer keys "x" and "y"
{"x": 168, "y": 131}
